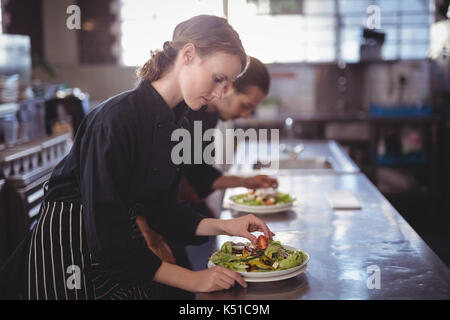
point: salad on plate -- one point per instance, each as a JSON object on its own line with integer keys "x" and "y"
{"x": 264, "y": 256}
{"x": 262, "y": 197}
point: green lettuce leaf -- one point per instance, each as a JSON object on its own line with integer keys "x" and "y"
{"x": 294, "y": 260}
{"x": 227, "y": 260}
{"x": 227, "y": 247}
{"x": 284, "y": 198}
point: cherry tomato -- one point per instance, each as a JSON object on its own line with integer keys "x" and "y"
{"x": 262, "y": 242}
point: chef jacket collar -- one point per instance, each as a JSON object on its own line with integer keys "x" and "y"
{"x": 150, "y": 98}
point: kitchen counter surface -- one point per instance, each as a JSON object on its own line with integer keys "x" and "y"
{"x": 255, "y": 122}
{"x": 349, "y": 249}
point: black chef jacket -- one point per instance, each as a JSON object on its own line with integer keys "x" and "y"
{"x": 119, "y": 165}
{"x": 201, "y": 176}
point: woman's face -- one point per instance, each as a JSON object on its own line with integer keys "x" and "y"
{"x": 204, "y": 79}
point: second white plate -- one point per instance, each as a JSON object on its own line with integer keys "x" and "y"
{"x": 279, "y": 277}
{"x": 260, "y": 209}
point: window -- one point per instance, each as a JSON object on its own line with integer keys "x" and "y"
{"x": 1, "y": 22}
{"x": 331, "y": 30}
{"x": 406, "y": 24}
{"x": 299, "y": 30}
{"x": 146, "y": 25}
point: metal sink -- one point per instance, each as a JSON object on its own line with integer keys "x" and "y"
{"x": 317, "y": 157}
{"x": 300, "y": 163}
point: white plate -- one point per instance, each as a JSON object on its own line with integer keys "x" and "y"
{"x": 260, "y": 209}
{"x": 277, "y": 278}
{"x": 272, "y": 275}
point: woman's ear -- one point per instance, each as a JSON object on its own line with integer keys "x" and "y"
{"x": 188, "y": 53}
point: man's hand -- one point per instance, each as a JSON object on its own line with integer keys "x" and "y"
{"x": 260, "y": 181}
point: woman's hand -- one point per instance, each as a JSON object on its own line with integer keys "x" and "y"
{"x": 216, "y": 278}
{"x": 154, "y": 241}
{"x": 260, "y": 181}
{"x": 208, "y": 280}
{"x": 243, "y": 226}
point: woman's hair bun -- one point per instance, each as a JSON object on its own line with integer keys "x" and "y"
{"x": 209, "y": 34}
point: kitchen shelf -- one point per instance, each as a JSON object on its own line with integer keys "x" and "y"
{"x": 395, "y": 159}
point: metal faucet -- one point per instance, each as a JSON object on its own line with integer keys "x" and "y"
{"x": 289, "y": 130}
{"x": 292, "y": 150}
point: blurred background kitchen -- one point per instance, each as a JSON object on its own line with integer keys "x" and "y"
{"x": 373, "y": 75}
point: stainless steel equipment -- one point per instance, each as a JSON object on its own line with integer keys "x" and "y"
{"x": 15, "y": 56}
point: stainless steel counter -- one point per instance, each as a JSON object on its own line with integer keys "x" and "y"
{"x": 346, "y": 246}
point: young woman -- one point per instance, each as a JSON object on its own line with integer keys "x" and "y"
{"x": 239, "y": 99}
{"x": 84, "y": 245}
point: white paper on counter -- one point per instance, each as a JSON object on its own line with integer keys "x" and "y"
{"x": 343, "y": 199}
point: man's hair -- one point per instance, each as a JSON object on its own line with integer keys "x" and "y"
{"x": 256, "y": 74}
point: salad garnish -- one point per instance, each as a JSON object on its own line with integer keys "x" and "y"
{"x": 261, "y": 197}
{"x": 265, "y": 255}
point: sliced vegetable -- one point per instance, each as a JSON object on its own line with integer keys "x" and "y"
{"x": 273, "y": 252}
{"x": 262, "y": 242}
{"x": 260, "y": 264}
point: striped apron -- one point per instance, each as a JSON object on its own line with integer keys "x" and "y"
{"x": 57, "y": 259}
{"x": 61, "y": 267}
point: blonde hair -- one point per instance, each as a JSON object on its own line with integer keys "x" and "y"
{"x": 209, "y": 34}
